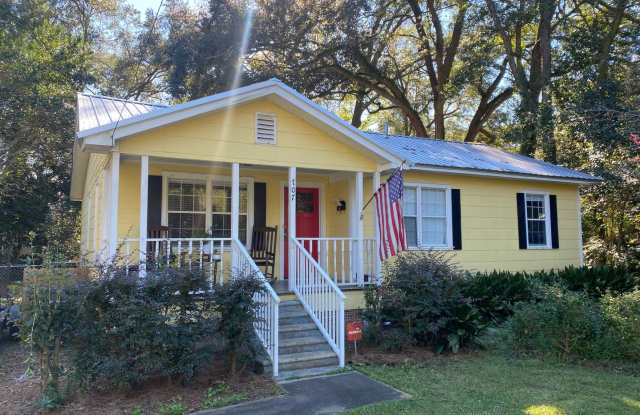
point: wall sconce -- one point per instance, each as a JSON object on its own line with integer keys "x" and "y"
{"x": 341, "y": 206}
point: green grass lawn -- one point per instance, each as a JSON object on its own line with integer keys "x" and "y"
{"x": 491, "y": 384}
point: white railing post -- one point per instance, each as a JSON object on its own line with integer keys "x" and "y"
{"x": 144, "y": 200}
{"x": 377, "y": 269}
{"x": 275, "y": 360}
{"x": 359, "y": 228}
{"x": 235, "y": 211}
{"x": 113, "y": 203}
{"x": 341, "y": 332}
{"x": 291, "y": 225}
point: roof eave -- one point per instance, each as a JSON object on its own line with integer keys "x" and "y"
{"x": 505, "y": 175}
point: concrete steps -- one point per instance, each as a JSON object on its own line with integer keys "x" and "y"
{"x": 303, "y": 350}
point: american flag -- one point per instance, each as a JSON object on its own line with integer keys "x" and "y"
{"x": 393, "y": 238}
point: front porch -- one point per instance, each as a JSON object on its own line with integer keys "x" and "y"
{"x": 201, "y": 208}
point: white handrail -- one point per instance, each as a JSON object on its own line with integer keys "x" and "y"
{"x": 266, "y": 325}
{"x": 320, "y": 296}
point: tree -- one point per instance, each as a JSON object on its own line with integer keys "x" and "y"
{"x": 382, "y": 53}
{"x": 42, "y": 65}
{"x": 525, "y": 29}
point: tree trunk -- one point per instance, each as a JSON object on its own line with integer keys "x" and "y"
{"x": 438, "y": 116}
{"x": 546, "y": 128}
{"x": 358, "y": 110}
{"x": 416, "y": 123}
{"x": 528, "y": 115}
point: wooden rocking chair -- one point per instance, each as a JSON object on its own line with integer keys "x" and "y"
{"x": 263, "y": 249}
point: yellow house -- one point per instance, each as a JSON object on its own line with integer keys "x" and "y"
{"x": 208, "y": 183}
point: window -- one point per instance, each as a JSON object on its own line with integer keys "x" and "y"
{"x": 188, "y": 205}
{"x": 221, "y": 211}
{"x": 427, "y": 216}
{"x": 186, "y": 208}
{"x": 537, "y": 215}
{"x": 410, "y": 212}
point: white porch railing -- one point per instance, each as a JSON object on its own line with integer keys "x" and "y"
{"x": 266, "y": 324}
{"x": 320, "y": 296}
{"x": 337, "y": 256}
{"x": 210, "y": 254}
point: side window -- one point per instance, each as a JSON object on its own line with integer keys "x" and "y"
{"x": 410, "y": 212}
{"x": 537, "y": 217}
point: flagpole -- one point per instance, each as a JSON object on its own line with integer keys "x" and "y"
{"x": 374, "y": 192}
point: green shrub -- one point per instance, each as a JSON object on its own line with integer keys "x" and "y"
{"x": 395, "y": 340}
{"x": 561, "y": 323}
{"x": 128, "y": 330}
{"x": 622, "y": 318}
{"x": 495, "y": 293}
{"x": 598, "y": 281}
{"x": 236, "y": 307}
{"x": 421, "y": 293}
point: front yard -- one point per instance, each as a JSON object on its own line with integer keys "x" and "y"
{"x": 487, "y": 383}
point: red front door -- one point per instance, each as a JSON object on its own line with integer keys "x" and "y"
{"x": 307, "y": 218}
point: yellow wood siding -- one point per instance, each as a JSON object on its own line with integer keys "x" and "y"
{"x": 230, "y": 135}
{"x": 490, "y": 223}
{"x": 92, "y": 215}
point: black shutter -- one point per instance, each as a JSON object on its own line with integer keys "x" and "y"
{"x": 553, "y": 207}
{"x": 259, "y": 205}
{"x": 455, "y": 220}
{"x": 522, "y": 226}
{"x": 154, "y": 206}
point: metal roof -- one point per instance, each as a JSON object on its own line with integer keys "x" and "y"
{"x": 96, "y": 110}
{"x": 428, "y": 152}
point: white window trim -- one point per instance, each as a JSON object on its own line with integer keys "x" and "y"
{"x": 421, "y": 245}
{"x": 210, "y": 179}
{"x": 547, "y": 219}
{"x": 275, "y": 128}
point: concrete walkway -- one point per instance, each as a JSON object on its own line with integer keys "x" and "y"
{"x": 315, "y": 396}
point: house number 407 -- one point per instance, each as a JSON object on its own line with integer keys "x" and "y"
{"x": 292, "y": 189}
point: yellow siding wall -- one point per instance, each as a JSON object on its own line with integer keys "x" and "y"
{"x": 230, "y": 135}
{"x": 92, "y": 213}
{"x": 490, "y": 226}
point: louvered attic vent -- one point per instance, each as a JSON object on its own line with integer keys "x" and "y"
{"x": 265, "y": 128}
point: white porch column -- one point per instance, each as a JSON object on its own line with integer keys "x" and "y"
{"x": 144, "y": 203}
{"x": 291, "y": 224}
{"x": 235, "y": 208}
{"x": 113, "y": 202}
{"x": 359, "y": 228}
{"x": 376, "y": 255}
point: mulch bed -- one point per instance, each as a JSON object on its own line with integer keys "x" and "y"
{"x": 375, "y": 355}
{"x": 19, "y": 393}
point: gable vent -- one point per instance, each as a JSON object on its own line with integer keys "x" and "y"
{"x": 265, "y": 128}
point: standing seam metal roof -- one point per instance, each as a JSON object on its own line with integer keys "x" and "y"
{"x": 96, "y": 111}
{"x": 472, "y": 156}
